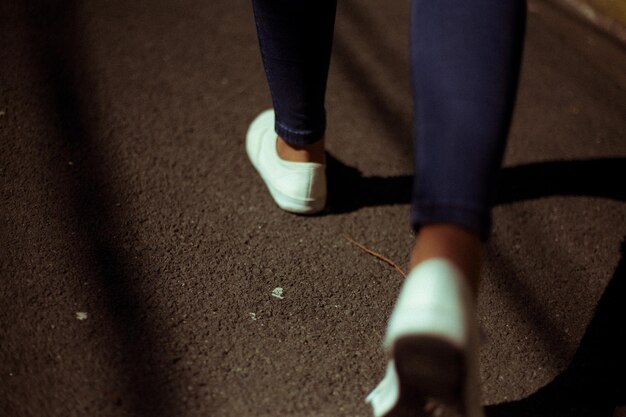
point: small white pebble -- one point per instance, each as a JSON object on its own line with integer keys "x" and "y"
{"x": 81, "y": 315}
{"x": 278, "y": 293}
{"x": 70, "y": 163}
{"x": 252, "y": 316}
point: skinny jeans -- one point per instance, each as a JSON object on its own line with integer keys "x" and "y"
{"x": 465, "y": 57}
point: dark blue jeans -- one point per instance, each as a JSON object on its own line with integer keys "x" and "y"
{"x": 465, "y": 59}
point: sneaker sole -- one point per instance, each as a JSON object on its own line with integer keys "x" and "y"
{"x": 428, "y": 368}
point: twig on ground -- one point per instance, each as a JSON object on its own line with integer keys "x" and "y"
{"x": 376, "y": 254}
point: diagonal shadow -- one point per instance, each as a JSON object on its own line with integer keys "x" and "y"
{"x": 349, "y": 190}
{"x": 382, "y": 105}
{"x": 55, "y": 33}
{"x": 369, "y": 30}
{"x": 594, "y": 384}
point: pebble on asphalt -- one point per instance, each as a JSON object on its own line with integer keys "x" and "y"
{"x": 278, "y": 293}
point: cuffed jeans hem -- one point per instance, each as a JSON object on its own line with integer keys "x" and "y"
{"x": 476, "y": 220}
{"x": 301, "y": 137}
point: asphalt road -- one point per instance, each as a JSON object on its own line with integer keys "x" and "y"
{"x": 139, "y": 251}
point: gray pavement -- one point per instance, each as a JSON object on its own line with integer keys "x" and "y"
{"x": 140, "y": 251}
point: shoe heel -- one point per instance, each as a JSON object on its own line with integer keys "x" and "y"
{"x": 429, "y": 367}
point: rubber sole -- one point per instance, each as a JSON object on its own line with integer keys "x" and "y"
{"x": 293, "y": 205}
{"x": 429, "y": 368}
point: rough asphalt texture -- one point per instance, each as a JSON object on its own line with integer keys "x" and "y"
{"x": 125, "y": 194}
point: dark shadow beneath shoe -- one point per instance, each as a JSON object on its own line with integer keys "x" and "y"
{"x": 349, "y": 190}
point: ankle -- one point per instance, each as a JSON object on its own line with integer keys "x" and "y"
{"x": 301, "y": 153}
{"x": 459, "y": 245}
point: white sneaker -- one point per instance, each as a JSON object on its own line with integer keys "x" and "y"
{"x": 432, "y": 339}
{"x": 297, "y": 187}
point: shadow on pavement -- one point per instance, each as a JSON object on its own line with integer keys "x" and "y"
{"x": 349, "y": 190}
{"x": 592, "y": 178}
{"x": 55, "y": 36}
{"x": 594, "y": 384}
{"x": 382, "y": 104}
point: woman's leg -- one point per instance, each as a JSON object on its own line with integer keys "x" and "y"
{"x": 465, "y": 58}
{"x": 285, "y": 144}
{"x": 295, "y": 39}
